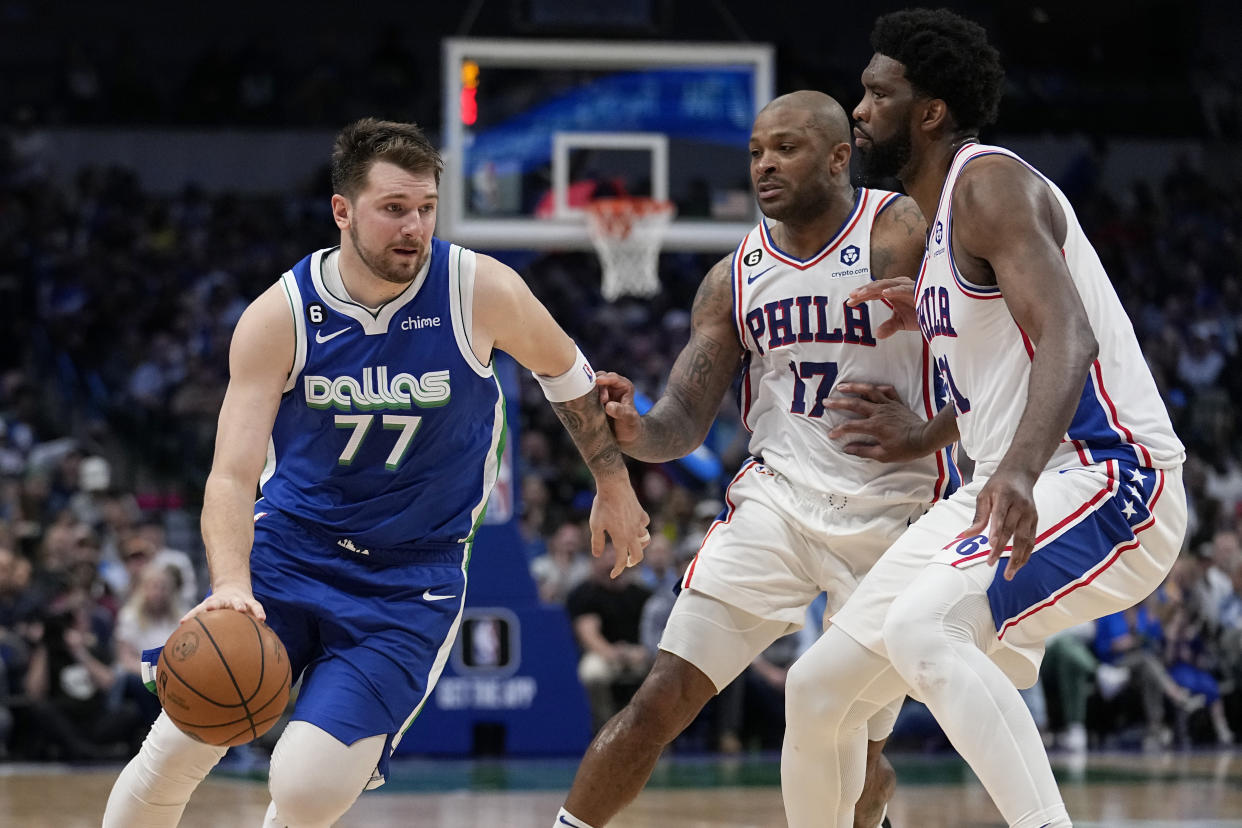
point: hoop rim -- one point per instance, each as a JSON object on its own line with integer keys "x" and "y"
{"x": 628, "y": 205}
{"x": 626, "y": 232}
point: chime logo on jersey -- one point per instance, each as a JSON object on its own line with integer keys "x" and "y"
{"x": 375, "y": 391}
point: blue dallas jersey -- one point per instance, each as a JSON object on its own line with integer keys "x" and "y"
{"x": 390, "y": 430}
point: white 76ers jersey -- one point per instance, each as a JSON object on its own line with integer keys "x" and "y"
{"x": 986, "y": 358}
{"x": 801, "y": 338}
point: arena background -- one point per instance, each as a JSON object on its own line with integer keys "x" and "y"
{"x": 160, "y": 165}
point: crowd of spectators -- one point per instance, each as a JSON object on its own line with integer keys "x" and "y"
{"x": 180, "y": 65}
{"x": 116, "y": 308}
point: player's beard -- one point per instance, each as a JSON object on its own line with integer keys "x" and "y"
{"x": 397, "y": 272}
{"x": 883, "y": 160}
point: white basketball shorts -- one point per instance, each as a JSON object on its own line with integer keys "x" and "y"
{"x": 778, "y": 545}
{"x": 1107, "y": 535}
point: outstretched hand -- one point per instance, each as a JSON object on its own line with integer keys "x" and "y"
{"x": 229, "y": 597}
{"x": 1006, "y": 509}
{"x": 617, "y": 512}
{"x": 898, "y": 294}
{"x": 884, "y": 428}
{"x": 616, "y": 395}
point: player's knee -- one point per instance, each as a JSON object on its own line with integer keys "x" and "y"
{"x": 670, "y": 697}
{"x": 810, "y": 698}
{"x": 928, "y": 624}
{"x": 315, "y": 778}
{"x": 914, "y": 644}
{"x": 312, "y": 800}
{"x": 169, "y": 756}
{"x": 311, "y": 803}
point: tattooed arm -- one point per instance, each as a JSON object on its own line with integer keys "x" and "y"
{"x": 897, "y": 241}
{"x": 509, "y": 317}
{"x": 679, "y": 420}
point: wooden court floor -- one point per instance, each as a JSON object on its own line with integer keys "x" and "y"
{"x": 1104, "y": 791}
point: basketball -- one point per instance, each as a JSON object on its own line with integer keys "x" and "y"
{"x": 223, "y": 677}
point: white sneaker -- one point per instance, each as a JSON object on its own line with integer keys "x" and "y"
{"x": 1158, "y": 738}
{"x": 1193, "y": 702}
{"x": 1074, "y": 739}
{"x": 1111, "y": 680}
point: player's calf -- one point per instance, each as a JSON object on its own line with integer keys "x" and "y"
{"x": 624, "y": 752}
{"x": 878, "y": 787}
{"x": 155, "y": 786}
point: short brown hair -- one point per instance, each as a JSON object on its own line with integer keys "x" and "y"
{"x": 366, "y": 141}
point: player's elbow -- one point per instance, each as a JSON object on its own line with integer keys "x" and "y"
{"x": 1071, "y": 335}
{"x": 1086, "y": 347}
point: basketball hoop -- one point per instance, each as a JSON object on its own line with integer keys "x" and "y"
{"x": 627, "y": 232}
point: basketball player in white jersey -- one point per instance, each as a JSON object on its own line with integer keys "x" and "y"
{"x": 1077, "y": 508}
{"x": 802, "y": 516}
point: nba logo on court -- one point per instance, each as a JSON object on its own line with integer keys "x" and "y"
{"x": 849, "y": 255}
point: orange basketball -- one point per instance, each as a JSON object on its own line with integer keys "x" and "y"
{"x": 223, "y": 677}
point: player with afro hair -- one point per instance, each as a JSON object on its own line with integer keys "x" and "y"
{"x": 946, "y": 57}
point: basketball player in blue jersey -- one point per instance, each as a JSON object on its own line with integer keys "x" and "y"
{"x": 362, "y": 401}
{"x": 803, "y": 516}
{"x": 1077, "y": 508}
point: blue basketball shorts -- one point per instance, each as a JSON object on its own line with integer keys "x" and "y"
{"x": 368, "y": 631}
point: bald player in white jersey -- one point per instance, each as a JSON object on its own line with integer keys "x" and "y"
{"x": 1077, "y": 508}
{"x": 802, "y": 515}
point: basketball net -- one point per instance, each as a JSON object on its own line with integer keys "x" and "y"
{"x": 627, "y": 232}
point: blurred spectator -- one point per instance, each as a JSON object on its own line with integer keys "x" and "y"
{"x": 763, "y": 720}
{"x": 564, "y": 565}
{"x": 1134, "y": 639}
{"x": 1191, "y": 647}
{"x": 606, "y": 615}
{"x": 659, "y": 606}
{"x": 1074, "y": 671}
{"x": 93, "y": 485}
{"x": 154, "y": 539}
{"x": 150, "y": 614}
{"x": 16, "y": 605}
{"x": 1224, "y": 483}
{"x": 83, "y": 572}
{"x": 658, "y": 571}
{"x": 67, "y": 682}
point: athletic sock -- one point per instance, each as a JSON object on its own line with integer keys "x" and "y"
{"x": 565, "y": 818}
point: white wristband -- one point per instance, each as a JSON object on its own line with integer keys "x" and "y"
{"x": 578, "y": 380}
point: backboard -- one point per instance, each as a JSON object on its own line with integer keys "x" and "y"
{"x": 534, "y": 129}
